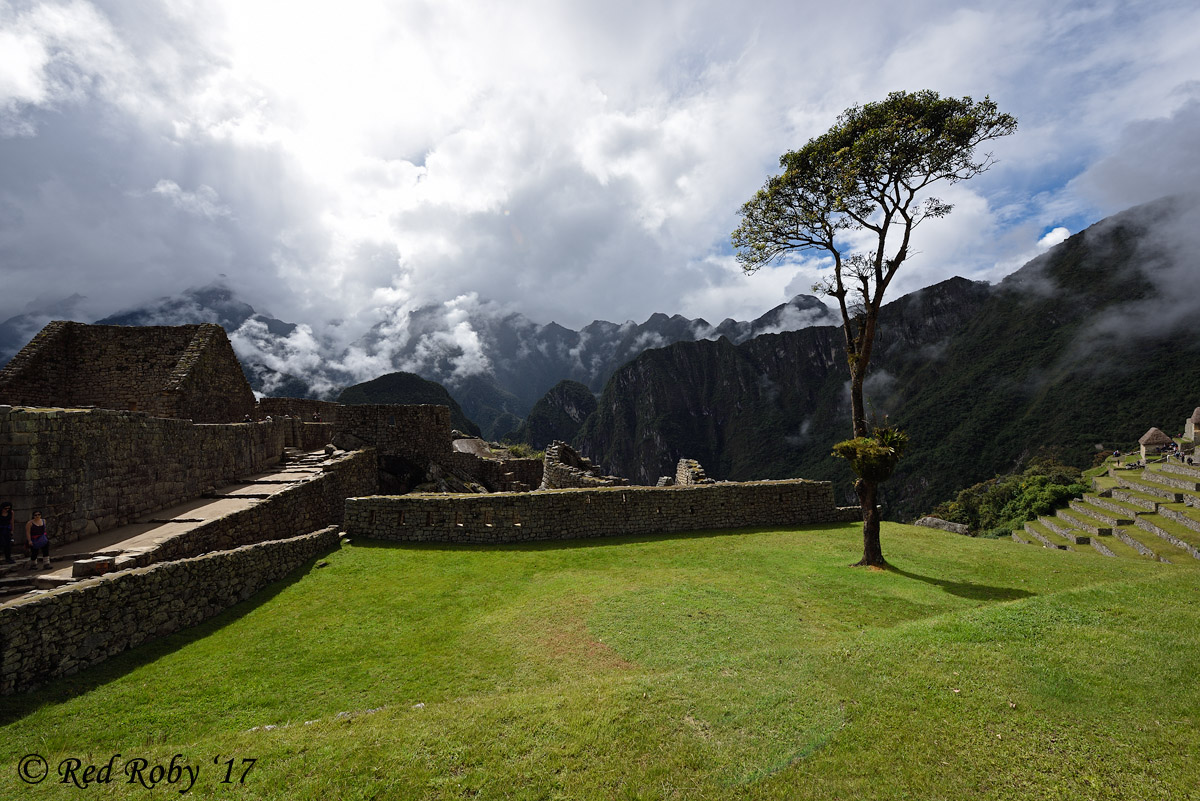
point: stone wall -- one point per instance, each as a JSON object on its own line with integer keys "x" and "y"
{"x": 564, "y": 468}
{"x": 304, "y": 408}
{"x": 68, "y": 629}
{"x": 91, "y": 470}
{"x": 318, "y": 502}
{"x": 186, "y": 371}
{"x": 689, "y": 472}
{"x": 602, "y": 512}
{"x": 418, "y": 432}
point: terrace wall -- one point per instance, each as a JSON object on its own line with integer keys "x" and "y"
{"x": 71, "y": 628}
{"x": 89, "y": 470}
{"x": 600, "y": 512}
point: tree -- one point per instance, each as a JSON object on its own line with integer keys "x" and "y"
{"x": 864, "y": 182}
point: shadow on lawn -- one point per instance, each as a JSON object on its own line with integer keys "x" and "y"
{"x": 975, "y": 592}
{"x": 17, "y": 706}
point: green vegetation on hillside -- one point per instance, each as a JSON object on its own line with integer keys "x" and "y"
{"x": 995, "y": 507}
{"x": 408, "y": 388}
{"x": 559, "y": 414}
{"x": 750, "y": 665}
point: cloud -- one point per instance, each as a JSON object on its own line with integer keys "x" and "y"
{"x": 202, "y": 203}
{"x": 573, "y": 161}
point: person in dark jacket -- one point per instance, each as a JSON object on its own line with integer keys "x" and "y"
{"x": 6, "y": 531}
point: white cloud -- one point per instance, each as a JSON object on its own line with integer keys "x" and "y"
{"x": 1053, "y": 237}
{"x": 573, "y": 161}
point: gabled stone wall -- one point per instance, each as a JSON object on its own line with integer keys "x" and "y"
{"x": 186, "y": 371}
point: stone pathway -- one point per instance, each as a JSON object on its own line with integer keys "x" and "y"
{"x": 118, "y": 548}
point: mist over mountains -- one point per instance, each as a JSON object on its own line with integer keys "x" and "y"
{"x": 496, "y": 363}
{"x": 1082, "y": 349}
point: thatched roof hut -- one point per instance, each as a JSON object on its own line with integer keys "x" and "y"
{"x": 1155, "y": 437}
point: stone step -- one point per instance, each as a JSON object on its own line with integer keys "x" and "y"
{"x": 1181, "y": 469}
{"x": 1089, "y": 507}
{"x": 1081, "y": 521}
{"x": 1117, "y": 510}
{"x": 1020, "y": 536}
{"x": 1064, "y": 530}
{"x": 1180, "y": 517}
{"x": 1148, "y": 523}
{"x": 1186, "y": 483}
{"x": 1124, "y": 535}
{"x": 1119, "y": 548}
{"x": 1034, "y": 532}
{"x": 1102, "y": 548}
{"x": 1148, "y": 488}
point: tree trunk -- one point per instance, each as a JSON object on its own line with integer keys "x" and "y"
{"x": 858, "y": 408}
{"x": 872, "y": 551}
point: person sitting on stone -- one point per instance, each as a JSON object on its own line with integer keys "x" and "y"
{"x": 6, "y": 530}
{"x": 38, "y": 540}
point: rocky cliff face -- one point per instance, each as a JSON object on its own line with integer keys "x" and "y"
{"x": 769, "y": 407}
{"x": 557, "y": 416}
{"x": 1083, "y": 348}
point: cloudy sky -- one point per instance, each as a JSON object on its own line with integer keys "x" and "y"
{"x": 570, "y": 160}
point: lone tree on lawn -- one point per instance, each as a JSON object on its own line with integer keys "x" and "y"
{"x": 856, "y": 193}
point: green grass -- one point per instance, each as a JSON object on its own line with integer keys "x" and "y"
{"x": 748, "y": 665}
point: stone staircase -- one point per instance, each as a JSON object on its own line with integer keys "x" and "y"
{"x": 1149, "y": 513}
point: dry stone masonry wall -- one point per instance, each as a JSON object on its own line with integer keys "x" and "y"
{"x": 689, "y": 472}
{"x": 187, "y": 371}
{"x": 564, "y": 468}
{"x": 91, "y": 470}
{"x": 66, "y": 630}
{"x": 601, "y": 512}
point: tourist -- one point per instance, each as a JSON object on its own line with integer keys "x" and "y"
{"x": 6, "y": 530}
{"x": 247, "y": 419}
{"x": 38, "y": 540}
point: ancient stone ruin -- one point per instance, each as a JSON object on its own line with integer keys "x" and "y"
{"x": 154, "y": 432}
{"x": 566, "y": 469}
{"x": 186, "y": 371}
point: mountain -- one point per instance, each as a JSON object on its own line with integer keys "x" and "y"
{"x": 769, "y": 407}
{"x": 496, "y": 363}
{"x": 408, "y": 388}
{"x": 1086, "y": 346}
{"x": 513, "y": 361}
{"x": 559, "y": 414}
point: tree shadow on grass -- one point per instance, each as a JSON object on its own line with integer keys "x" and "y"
{"x": 962, "y": 589}
{"x": 17, "y": 706}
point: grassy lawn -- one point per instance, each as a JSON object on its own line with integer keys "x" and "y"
{"x": 748, "y": 665}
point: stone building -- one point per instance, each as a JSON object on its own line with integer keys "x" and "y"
{"x": 1152, "y": 440}
{"x": 1193, "y": 422}
{"x": 185, "y": 371}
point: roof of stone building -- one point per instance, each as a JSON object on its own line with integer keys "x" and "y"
{"x": 1155, "y": 436}
{"x": 1196, "y": 416}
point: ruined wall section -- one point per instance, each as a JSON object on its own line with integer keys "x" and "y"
{"x": 603, "y": 512}
{"x": 94, "y": 469}
{"x": 37, "y": 374}
{"x": 689, "y": 472}
{"x": 85, "y": 623}
{"x": 207, "y": 382}
{"x": 564, "y": 468}
{"x": 187, "y": 371}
